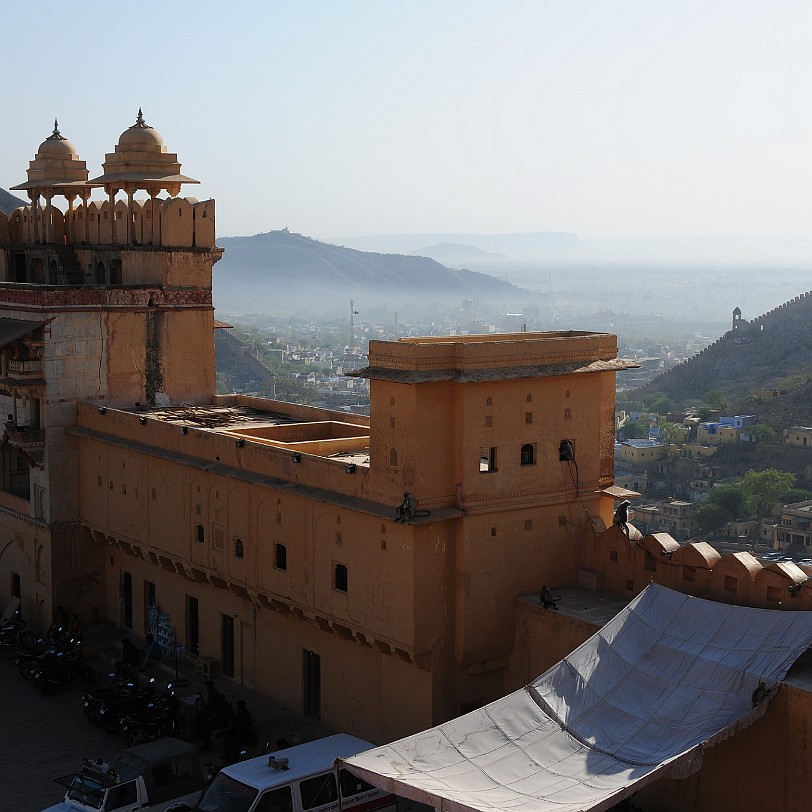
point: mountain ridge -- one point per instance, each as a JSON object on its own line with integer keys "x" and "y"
{"x": 8, "y": 202}
{"x": 283, "y": 268}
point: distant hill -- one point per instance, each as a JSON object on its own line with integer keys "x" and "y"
{"x": 771, "y": 352}
{"x": 8, "y": 202}
{"x": 520, "y": 247}
{"x": 237, "y": 363}
{"x": 453, "y": 255}
{"x": 278, "y": 270}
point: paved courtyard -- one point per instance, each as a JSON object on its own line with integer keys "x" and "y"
{"x": 47, "y": 737}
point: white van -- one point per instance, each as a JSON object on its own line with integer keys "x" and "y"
{"x": 304, "y": 778}
{"x": 146, "y": 778}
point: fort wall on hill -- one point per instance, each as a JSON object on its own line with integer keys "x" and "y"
{"x": 763, "y": 344}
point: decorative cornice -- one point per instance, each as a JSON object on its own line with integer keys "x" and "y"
{"x": 71, "y": 298}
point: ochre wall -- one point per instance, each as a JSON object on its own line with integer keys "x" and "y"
{"x": 542, "y": 638}
{"x": 366, "y": 689}
{"x": 627, "y": 565}
{"x": 152, "y": 349}
{"x": 765, "y": 766}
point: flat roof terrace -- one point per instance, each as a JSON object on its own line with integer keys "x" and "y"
{"x": 307, "y": 430}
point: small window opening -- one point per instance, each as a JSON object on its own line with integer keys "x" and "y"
{"x": 280, "y": 556}
{"x": 340, "y": 577}
{"x": 487, "y": 459}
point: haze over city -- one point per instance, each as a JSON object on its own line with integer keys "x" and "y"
{"x": 605, "y": 119}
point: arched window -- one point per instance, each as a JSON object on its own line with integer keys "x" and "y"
{"x": 239, "y": 550}
{"x": 393, "y": 457}
{"x": 528, "y": 454}
{"x": 280, "y": 556}
{"x": 340, "y": 581}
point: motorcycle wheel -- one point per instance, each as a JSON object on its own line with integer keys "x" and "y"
{"x": 28, "y": 640}
{"x": 27, "y": 668}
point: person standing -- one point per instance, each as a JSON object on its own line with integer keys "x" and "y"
{"x": 150, "y": 651}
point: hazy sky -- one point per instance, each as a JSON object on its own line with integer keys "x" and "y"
{"x": 345, "y": 118}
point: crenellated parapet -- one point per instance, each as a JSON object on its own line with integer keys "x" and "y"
{"x": 625, "y": 564}
{"x": 176, "y": 222}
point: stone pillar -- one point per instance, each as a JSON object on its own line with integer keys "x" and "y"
{"x": 33, "y": 196}
{"x": 111, "y": 196}
{"x": 70, "y": 226}
{"x": 85, "y": 201}
{"x": 156, "y": 221}
{"x": 48, "y": 214}
{"x": 130, "y": 225}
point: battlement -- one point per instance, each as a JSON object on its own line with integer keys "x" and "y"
{"x": 612, "y": 561}
{"x": 177, "y": 222}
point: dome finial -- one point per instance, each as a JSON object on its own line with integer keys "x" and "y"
{"x": 139, "y": 122}
{"x": 56, "y": 135}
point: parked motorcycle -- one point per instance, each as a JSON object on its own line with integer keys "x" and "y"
{"x": 136, "y": 708}
{"x": 118, "y": 692}
{"x": 46, "y": 655}
{"x": 64, "y": 670}
{"x": 15, "y": 631}
{"x": 158, "y": 720}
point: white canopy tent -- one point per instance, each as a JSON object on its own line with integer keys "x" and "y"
{"x": 668, "y": 676}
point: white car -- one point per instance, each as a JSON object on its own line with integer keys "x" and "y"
{"x": 146, "y": 778}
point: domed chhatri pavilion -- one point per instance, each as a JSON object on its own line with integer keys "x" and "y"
{"x": 55, "y": 170}
{"x": 140, "y": 162}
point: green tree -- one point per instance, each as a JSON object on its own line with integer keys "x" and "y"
{"x": 762, "y": 432}
{"x": 717, "y": 399}
{"x": 711, "y": 517}
{"x": 288, "y": 388}
{"x": 659, "y": 403}
{"x": 634, "y": 429}
{"x": 762, "y": 489}
{"x": 731, "y": 499}
{"x": 796, "y": 495}
{"x": 671, "y": 433}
